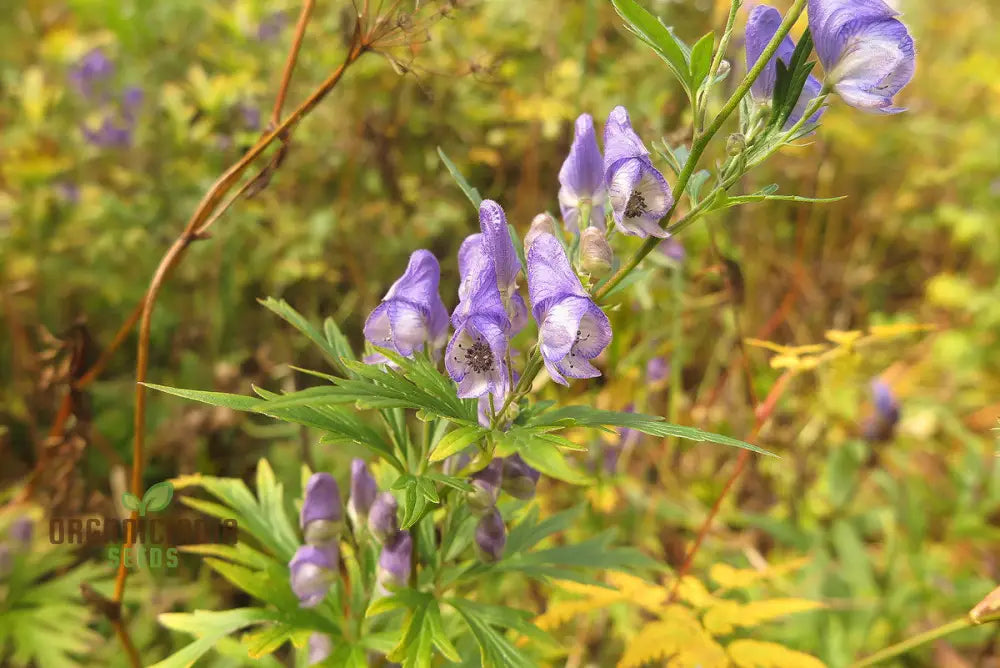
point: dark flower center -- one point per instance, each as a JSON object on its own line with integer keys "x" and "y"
{"x": 636, "y": 205}
{"x": 479, "y": 357}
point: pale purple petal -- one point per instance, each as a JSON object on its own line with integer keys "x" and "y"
{"x": 497, "y": 243}
{"x": 321, "y": 500}
{"x": 574, "y": 330}
{"x": 877, "y": 62}
{"x": 549, "y": 273}
{"x": 476, "y": 356}
{"x": 582, "y": 176}
{"x": 640, "y": 197}
{"x": 620, "y": 140}
{"x": 411, "y": 313}
{"x": 827, "y": 18}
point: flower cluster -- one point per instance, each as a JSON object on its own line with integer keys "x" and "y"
{"x": 866, "y": 52}
{"x": 19, "y": 535}
{"x": 91, "y": 77}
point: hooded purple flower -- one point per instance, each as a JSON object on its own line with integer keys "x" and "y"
{"x": 491, "y": 536}
{"x": 519, "y": 479}
{"x": 572, "y": 329}
{"x": 639, "y": 194}
{"x": 486, "y": 485}
{"x": 582, "y": 178}
{"x": 494, "y": 245}
{"x": 880, "y": 426}
{"x": 311, "y": 575}
{"x": 868, "y": 54}
{"x": 394, "y": 561}
{"x": 761, "y": 27}
{"x": 412, "y": 312}
{"x": 657, "y": 370}
{"x": 476, "y": 357}
{"x": 321, "y": 514}
{"x": 320, "y": 648}
{"x": 363, "y": 492}
{"x": 382, "y": 520}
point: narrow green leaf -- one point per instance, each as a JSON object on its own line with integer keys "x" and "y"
{"x": 657, "y": 36}
{"x": 701, "y": 59}
{"x": 455, "y": 441}
{"x": 549, "y": 460}
{"x": 469, "y": 191}
{"x": 237, "y": 402}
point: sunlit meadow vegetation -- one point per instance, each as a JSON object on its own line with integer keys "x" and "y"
{"x": 857, "y": 339}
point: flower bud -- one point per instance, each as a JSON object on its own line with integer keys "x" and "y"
{"x": 395, "y": 560}
{"x": 724, "y": 68}
{"x": 363, "y": 491}
{"x": 382, "y": 520}
{"x": 519, "y": 479}
{"x": 486, "y": 486}
{"x": 596, "y": 255}
{"x": 312, "y": 572}
{"x": 491, "y": 536}
{"x": 736, "y": 144}
{"x": 320, "y": 648}
{"x": 543, "y": 223}
{"x": 322, "y": 503}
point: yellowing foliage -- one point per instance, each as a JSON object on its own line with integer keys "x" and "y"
{"x": 686, "y": 631}
{"x": 757, "y": 654}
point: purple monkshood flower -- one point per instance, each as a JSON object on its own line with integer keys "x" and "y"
{"x": 320, "y": 648}
{"x": 491, "y": 536}
{"x": 572, "y": 329}
{"x": 363, "y": 492}
{"x": 486, "y": 485}
{"x": 322, "y": 512}
{"x": 880, "y": 426}
{"x": 92, "y": 69}
{"x": 271, "y": 26}
{"x": 582, "y": 178}
{"x": 312, "y": 572}
{"x": 761, "y": 27}
{"x": 476, "y": 357}
{"x": 494, "y": 245}
{"x": 411, "y": 313}
{"x": 867, "y": 53}
{"x": 639, "y": 194}
{"x": 519, "y": 479}
{"x": 394, "y": 561}
{"x": 382, "y": 520}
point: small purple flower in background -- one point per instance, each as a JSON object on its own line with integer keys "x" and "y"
{"x": 21, "y": 530}
{"x": 486, "y": 486}
{"x": 109, "y": 134}
{"x": 320, "y": 648}
{"x": 90, "y": 71}
{"x": 394, "y": 561}
{"x": 657, "y": 370}
{"x": 627, "y": 439}
{"x": 673, "y": 249}
{"x": 132, "y": 102}
{"x": 639, "y": 194}
{"x": 271, "y": 26}
{"x": 581, "y": 178}
{"x": 867, "y": 53}
{"x": 572, "y": 329}
{"x": 382, "y": 520}
{"x": 476, "y": 357}
{"x": 881, "y": 425}
{"x": 761, "y": 27}
{"x": 250, "y": 114}
{"x": 411, "y": 313}
{"x": 363, "y": 492}
{"x": 311, "y": 575}
{"x": 519, "y": 479}
{"x": 491, "y": 536}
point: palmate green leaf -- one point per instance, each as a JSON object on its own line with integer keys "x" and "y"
{"x": 529, "y": 531}
{"x": 658, "y": 37}
{"x": 541, "y": 449}
{"x": 496, "y": 651}
{"x": 469, "y": 191}
{"x": 585, "y": 416}
{"x": 208, "y": 627}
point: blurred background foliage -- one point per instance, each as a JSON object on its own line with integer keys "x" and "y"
{"x": 117, "y": 116}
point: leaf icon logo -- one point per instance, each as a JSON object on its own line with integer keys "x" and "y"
{"x": 156, "y": 498}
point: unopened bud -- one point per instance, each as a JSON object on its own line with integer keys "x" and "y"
{"x": 382, "y": 520}
{"x": 519, "y": 479}
{"x": 596, "y": 255}
{"x": 724, "y": 68}
{"x": 394, "y": 562}
{"x": 736, "y": 144}
{"x": 486, "y": 486}
{"x": 491, "y": 536}
{"x": 543, "y": 223}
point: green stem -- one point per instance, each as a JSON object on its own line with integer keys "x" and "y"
{"x": 914, "y": 642}
{"x": 713, "y": 72}
{"x": 703, "y": 139}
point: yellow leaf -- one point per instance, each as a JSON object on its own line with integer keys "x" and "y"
{"x": 593, "y": 598}
{"x": 694, "y": 593}
{"x": 842, "y": 338}
{"x": 678, "y": 637}
{"x": 638, "y": 591}
{"x": 758, "y": 654}
{"x": 729, "y": 577}
{"x": 726, "y": 616}
{"x": 899, "y": 329}
{"x": 793, "y": 351}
